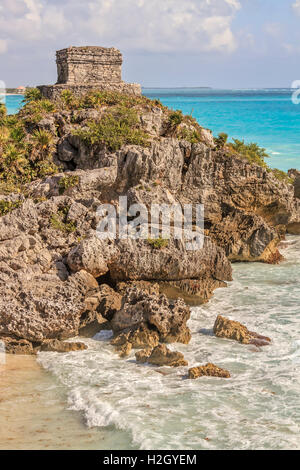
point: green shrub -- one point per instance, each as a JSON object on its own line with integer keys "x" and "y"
{"x": 117, "y": 127}
{"x": 191, "y": 135}
{"x": 8, "y": 206}
{"x": 175, "y": 119}
{"x": 32, "y": 94}
{"x": 68, "y": 99}
{"x": 281, "y": 176}
{"x": 158, "y": 243}
{"x": 221, "y": 140}
{"x": 34, "y": 111}
{"x": 67, "y": 182}
{"x": 43, "y": 139}
{"x": 23, "y": 156}
{"x": 2, "y": 110}
{"x": 252, "y": 152}
{"x": 104, "y": 98}
{"x": 60, "y": 222}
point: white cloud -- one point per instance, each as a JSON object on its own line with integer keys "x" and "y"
{"x": 31, "y": 20}
{"x": 169, "y": 25}
{"x": 296, "y": 6}
{"x": 149, "y": 25}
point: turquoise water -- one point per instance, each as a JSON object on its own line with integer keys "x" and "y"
{"x": 13, "y": 103}
{"x": 267, "y": 117}
{"x": 156, "y": 408}
{"x": 138, "y": 406}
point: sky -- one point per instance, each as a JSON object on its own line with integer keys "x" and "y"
{"x": 165, "y": 43}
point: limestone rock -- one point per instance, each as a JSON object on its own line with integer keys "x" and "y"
{"x": 110, "y": 302}
{"x": 246, "y": 237}
{"x": 124, "y": 350}
{"x": 17, "y": 346}
{"x": 139, "y": 260}
{"x": 209, "y": 370}
{"x": 140, "y": 338}
{"x": 143, "y": 355}
{"x": 151, "y": 288}
{"x": 139, "y": 308}
{"x": 92, "y": 255}
{"x": 225, "y": 328}
{"x": 162, "y": 356}
{"x": 42, "y": 307}
{"x": 55, "y": 345}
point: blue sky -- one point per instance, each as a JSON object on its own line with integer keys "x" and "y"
{"x": 218, "y": 43}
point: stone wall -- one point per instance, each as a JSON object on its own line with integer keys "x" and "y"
{"x": 82, "y": 69}
{"x": 80, "y": 65}
{"x": 53, "y": 92}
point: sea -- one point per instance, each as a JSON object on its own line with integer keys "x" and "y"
{"x": 94, "y": 400}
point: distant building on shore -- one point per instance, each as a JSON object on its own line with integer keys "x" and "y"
{"x": 21, "y": 90}
{"x": 82, "y": 69}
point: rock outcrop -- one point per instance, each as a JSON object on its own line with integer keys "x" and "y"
{"x": 225, "y": 328}
{"x": 55, "y": 345}
{"x": 161, "y": 356}
{"x": 18, "y": 346}
{"x": 141, "y": 312}
{"x": 57, "y": 278}
{"x": 210, "y": 370}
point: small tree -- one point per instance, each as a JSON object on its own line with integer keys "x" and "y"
{"x": 2, "y": 110}
{"x": 32, "y": 94}
{"x": 221, "y": 140}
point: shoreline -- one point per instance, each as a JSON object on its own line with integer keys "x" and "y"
{"x": 34, "y": 412}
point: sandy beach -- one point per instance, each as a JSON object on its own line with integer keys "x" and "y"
{"x": 33, "y": 412}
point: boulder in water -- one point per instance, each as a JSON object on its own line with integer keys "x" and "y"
{"x": 225, "y": 328}
{"x": 209, "y": 370}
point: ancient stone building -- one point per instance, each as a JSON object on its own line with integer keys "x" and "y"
{"x": 81, "y": 69}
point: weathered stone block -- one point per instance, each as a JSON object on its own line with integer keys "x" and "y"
{"x": 83, "y": 69}
{"x": 91, "y": 64}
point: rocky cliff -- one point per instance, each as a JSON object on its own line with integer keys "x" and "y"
{"x": 57, "y": 277}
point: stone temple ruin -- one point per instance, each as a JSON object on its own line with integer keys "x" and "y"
{"x": 82, "y": 69}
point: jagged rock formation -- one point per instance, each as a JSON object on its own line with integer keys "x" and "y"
{"x": 81, "y": 69}
{"x": 57, "y": 278}
{"x": 141, "y": 311}
{"x": 54, "y": 345}
{"x": 210, "y": 370}
{"x": 225, "y": 328}
{"x": 161, "y": 356}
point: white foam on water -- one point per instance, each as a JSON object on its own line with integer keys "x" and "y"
{"x": 258, "y": 408}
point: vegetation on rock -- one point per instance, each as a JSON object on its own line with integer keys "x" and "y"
{"x": 60, "y": 221}
{"x": 251, "y": 151}
{"x": 67, "y": 182}
{"x": 221, "y": 140}
{"x": 8, "y": 206}
{"x": 24, "y": 156}
{"x": 118, "y": 127}
{"x": 2, "y": 110}
{"x": 158, "y": 243}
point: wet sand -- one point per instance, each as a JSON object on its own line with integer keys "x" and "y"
{"x": 33, "y": 412}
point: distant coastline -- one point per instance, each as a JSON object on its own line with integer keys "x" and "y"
{"x": 177, "y": 88}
